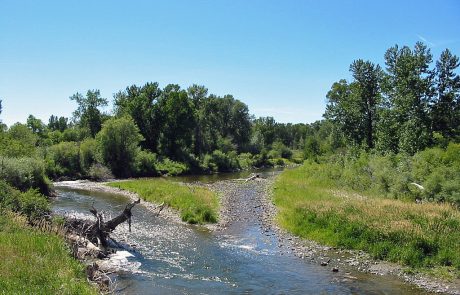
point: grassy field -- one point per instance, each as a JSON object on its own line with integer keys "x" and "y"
{"x": 34, "y": 262}
{"x": 195, "y": 204}
{"x": 418, "y": 235}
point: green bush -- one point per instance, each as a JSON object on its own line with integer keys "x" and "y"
{"x": 24, "y": 174}
{"x": 66, "y": 159}
{"x": 18, "y": 141}
{"x": 171, "y": 168}
{"x": 88, "y": 154}
{"x": 222, "y": 162}
{"x": 246, "y": 160}
{"x": 145, "y": 164}
{"x": 119, "y": 143}
{"x": 30, "y": 203}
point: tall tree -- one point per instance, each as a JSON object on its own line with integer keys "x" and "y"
{"x": 446, "y": 103}
{"x": 353, "y": 107}
{"x": 408, "y": 90}
{"x": 141, "y": 104}
{"x": 198, "y": 93}
{"x": 367, "y": 77}
{"x": 87, "y": 113}
{"x": 179, "y": 121}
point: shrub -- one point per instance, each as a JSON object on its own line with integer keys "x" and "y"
{"x": 66, "y": 159}
{"x": 145, "y": 163}
{"x": 88, "y": 154}
{"x": 222, "y": 162}
{"x": 99, "y": 172}
{"x": 246, "y": 160}
{"x": 30, "y": 203}
{"x": 24, "y": 174}
{"x": 170, "y": 167}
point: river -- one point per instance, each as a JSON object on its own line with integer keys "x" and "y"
{"x": 174, "y": 258}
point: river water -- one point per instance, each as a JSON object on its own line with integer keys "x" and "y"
{"x": 173, "y": 258}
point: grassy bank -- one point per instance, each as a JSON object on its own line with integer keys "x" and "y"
{"x": 34, "y": 262}
{"x": 418, "y": 235}
{"x": 195, "y": 204}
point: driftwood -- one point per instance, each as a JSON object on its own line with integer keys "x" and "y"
{"x": 100, "y": 230}
{"x": 96, "y": 234}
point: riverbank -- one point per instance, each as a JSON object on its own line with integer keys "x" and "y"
{"x": 312, "y": 209}
{"x": 260, "y": 210}
{"x": 37, "y": 262}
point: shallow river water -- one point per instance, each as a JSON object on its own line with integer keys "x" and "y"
{"x": 174, "y": 258}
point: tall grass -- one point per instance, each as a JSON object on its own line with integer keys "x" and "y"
{"x": 34, "y": 262}
{"x": 313, "y": 206}
{"x": 195, "y": 204}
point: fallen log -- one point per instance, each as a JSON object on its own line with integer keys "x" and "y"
{"x": 99, "y": 232}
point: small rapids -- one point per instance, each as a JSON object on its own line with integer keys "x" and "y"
{"x": 160, "y": 256}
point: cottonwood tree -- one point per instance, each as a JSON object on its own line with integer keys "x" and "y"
{"x": 445, "y": 108}
{"x": 408, "y": 90}
{"x": 119, "y": 143}
{"x": 354, "y": 107}
{"x": 141, "y": 103}
{"x": 87, "y": 113}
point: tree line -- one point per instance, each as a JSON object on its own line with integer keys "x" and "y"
{"x": 406, "y": 107}
{"x": 403, "y": 109}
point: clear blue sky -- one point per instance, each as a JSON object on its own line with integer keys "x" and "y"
{"x": 279, "y": 57}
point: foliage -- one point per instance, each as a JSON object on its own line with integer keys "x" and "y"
{"x": 397, "y": 110}
{"x": 171, "y": 168}
{"x": 219, "y": 161}
{"x": 24, "y": 173}
{"x": 88, "y": 154}
{"x": 58, "y": 124}
{"x": 64, "y": 160}
{"x": 99, "y": 172}
{"x": 314, "y": 205}
{"x": 195, "y": 204}
{"x": 145, "y": 164}
{"x": 118, "y": 141}
{"x": 29, "y": 203}
{"x": 18, "y": 141}
{"x": 88, "y": 113}
{"x": 35, "y": 262}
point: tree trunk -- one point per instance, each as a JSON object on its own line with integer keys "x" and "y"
{"x": 98, "y": 233}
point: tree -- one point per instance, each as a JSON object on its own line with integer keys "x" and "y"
{"x": 36, "y": 125}
{"x": 178, "y": 122}
{"x": 141, "y": 104}
{"x": 445, "y": 107}
{"x": 88, "y": 113}
{"x": 353, "y": 107}
{"x": 345, "y": 111}
{"x": 367, "y": 78}
{"x": 119, "y": 142}
{"x": 18, "y": 141}
{"x": 197, "y": 94}
{"x": 55, "y": 123}
{"x": 408, "y": 88}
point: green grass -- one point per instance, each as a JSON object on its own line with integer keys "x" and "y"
{"x": 422, "y": 236}
{"x": 195, "y": 204}
{"x": 34, "y": 262}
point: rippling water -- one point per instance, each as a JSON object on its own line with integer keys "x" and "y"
{"x": 173, "y": 258}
